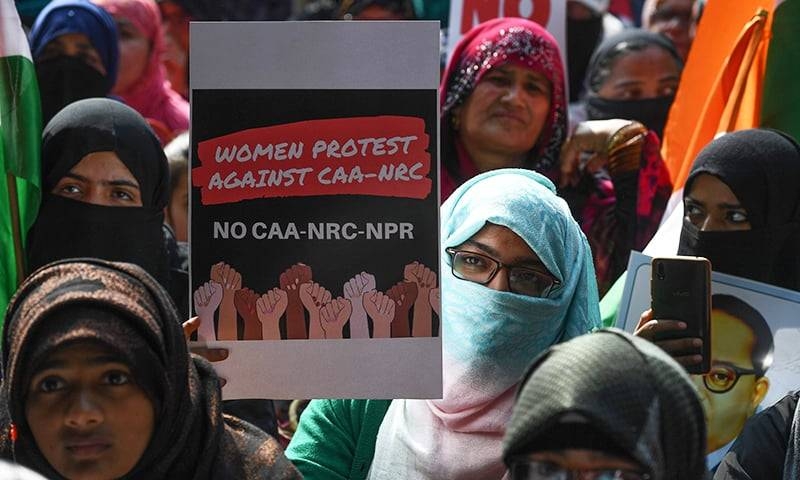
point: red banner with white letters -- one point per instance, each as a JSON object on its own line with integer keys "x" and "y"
{"x": 379, "y": 155}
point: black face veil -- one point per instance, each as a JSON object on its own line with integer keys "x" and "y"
{"x": 762, "y": 168}
{"x": 67, "y": 228}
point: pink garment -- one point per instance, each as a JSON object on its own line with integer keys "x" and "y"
{"x": 490, "y": 44}
{"x": 152, "y": 96}
{"x": 459, "y": 437}
{"x": 465, "y": 166}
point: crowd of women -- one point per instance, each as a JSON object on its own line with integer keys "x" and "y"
{"x": 542, "y": 203}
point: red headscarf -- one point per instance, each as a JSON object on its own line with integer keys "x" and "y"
{"x": 490, "y": 44}
{"x": 151, "y": 96}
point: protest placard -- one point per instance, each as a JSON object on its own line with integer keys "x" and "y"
{"x": 465, "y": 14}
{"x": 755, "y": 331}
{"x": 314, "y": 209}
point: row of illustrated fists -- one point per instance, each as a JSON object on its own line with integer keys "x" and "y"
{"x": 327, "y": 316}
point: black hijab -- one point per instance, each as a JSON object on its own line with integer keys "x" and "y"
{"x": 616, "y": 393}
{"x": 122, "y": 307}
{"x": 652, "y": 112}
{"x": 762, "y": 168}
{"x": 67, "y": 228}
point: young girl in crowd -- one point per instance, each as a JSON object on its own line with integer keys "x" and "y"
{"x": 74, "y": 48}
{"x": 142, "y": 81}
{"x": 504, "y": 105}
{"x": 517, "y": 277}
{"x": 98, "y": 383}
{"x": 177, "y": 214}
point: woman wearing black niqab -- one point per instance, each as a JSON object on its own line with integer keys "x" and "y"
{"x": 614, "y": 90}
{"x": 87, "y": 213}
{"x": 761, "y": 167}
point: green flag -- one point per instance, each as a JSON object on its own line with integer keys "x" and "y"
{"x": 20, "y": 143}
{"x": 780, "y": 106}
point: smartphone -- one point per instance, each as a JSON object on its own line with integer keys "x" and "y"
{"x": 680, "y": 289}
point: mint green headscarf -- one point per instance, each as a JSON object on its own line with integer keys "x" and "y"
{"x": 489, "y": 336}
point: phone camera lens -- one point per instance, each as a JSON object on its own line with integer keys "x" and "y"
{"x": 660, "y": 271}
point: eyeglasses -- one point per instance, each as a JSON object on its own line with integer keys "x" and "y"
{"x": 723, "y": 377}
{"x": 479, "y": 268}
{"x": 533, "y": 470}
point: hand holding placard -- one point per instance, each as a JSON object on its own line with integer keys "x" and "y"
{"x": 425, "y": 279}
{"x": 290, "y": 281}
{"x": 206, "y": 301}
{"x": 380, "y": 309}
{"x": 210, "y": 354}
{"x": 245, "y": 302}
{"x": 403, "y": 294}
{"x": 354, "y": 289}
{"x": 231, "y": 281}
{"x": 314, "y": 296}
{"x": 269, "y": 309}
{"x": 333, "y": 315}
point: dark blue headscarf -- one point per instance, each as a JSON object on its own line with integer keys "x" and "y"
{"x": 78, "y": 16}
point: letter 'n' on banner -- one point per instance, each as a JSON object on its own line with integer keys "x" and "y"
{"x": 315, "y": 207}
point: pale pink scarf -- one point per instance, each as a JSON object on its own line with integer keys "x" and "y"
{"x": 458, "y": 437}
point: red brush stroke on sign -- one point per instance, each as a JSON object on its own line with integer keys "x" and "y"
{"x": 383, "y": 156}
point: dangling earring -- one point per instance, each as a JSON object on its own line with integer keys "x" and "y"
{"x": 455, "y": 121}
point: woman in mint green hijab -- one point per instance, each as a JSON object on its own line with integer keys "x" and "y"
{"x": 516, "y": 278}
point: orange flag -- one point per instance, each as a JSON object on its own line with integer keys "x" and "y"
{"x": 720, "y": 88}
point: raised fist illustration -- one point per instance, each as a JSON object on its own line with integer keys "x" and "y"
{"x": 245, "y": 302}
{"x": 334, "y": 315}
{"x": 404, "y": 294}
{"x": 269, "y": 308}
{"x": 380, "y": 309}
{"x": 207, "y": 298}
{"x": 290, "y": 281}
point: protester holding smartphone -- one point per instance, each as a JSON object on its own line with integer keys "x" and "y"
{"x": 680, "y": 288}
{"x": 742, "y": 206}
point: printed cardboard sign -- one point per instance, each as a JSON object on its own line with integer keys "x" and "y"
{"x": 314, "y": 208}
{"x": 755, "y": 331}
{"x": 465, "y": 14}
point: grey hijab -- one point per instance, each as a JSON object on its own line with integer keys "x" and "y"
{"x": 627, "y": 390}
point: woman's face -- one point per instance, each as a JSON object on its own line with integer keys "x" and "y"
{"x": 712, "y": 206}
{"x": 648, "y": 73}
{"x": 675, "y": 19}
{"x": 503, "y": 245}
{"x": 134, "y": 55}
{"x": 87, "y": 415}
{"x": 73, "y": 45}
{"x": 100, "y": 178}
{"x": 505, "y": 113}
